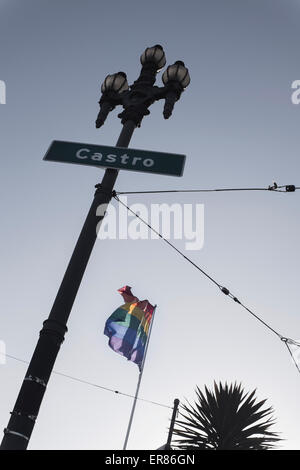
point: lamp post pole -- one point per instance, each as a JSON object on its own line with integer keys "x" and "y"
{"x": 135, "y": 102}
{"x": 24, "y": 414}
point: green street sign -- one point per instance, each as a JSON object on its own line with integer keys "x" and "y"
{"x": 116, "y": 157}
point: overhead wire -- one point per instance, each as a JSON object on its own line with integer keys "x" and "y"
{"x": 90, "y": 383}
{"x": 222, "y": 288}
{"x": 287, "y": 341}
{"x": 274, "y": 188}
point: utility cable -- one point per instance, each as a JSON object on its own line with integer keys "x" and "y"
{"x": 287, "y": 342}
{"x": 222, "y": 288}
{"x": 274, "y": 188}
{"x": 90, "y": 383}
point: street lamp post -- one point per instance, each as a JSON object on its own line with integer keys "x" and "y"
{"x": 135, "y": 100}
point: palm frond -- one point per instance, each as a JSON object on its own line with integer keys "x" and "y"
{"x": 225, "y": 418}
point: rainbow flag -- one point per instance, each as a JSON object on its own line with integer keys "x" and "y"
{"x": 128, "y": 327}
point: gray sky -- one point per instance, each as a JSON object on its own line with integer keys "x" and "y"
{"x": 238, "y": 127}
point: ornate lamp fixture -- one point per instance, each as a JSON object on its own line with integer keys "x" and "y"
{"x": 137, "y": 98}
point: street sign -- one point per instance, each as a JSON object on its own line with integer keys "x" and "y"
{"x": 116, "y": 157}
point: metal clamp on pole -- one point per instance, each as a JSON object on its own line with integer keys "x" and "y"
{"x": 100, "y": 189}
{"x": 8, "y": 431}
{"x": 19, "y": 413}
{"x": 36, "y": 380}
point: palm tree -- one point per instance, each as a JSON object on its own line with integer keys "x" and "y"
{"x": 226, "y": 418}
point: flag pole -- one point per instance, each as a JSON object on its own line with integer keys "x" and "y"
{"x": 139, "y": 382}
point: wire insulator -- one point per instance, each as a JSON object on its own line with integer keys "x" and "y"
{"x": 225, "y": 290}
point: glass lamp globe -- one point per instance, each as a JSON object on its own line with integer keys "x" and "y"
{"x": 177, "y": 73}
{"x": 154, "y": 54}
{"x": 116, "y": 82}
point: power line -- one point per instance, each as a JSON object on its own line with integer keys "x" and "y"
{"x": 222, "y": 288}
{"x": 274, "y": 188}
{"x": 287, "y": 342}
{"x": 90, "y": 383}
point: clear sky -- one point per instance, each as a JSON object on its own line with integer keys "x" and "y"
{"x": 238, "y": 127}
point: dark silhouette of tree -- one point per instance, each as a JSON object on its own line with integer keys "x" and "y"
{"x": 225, "y": 418}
